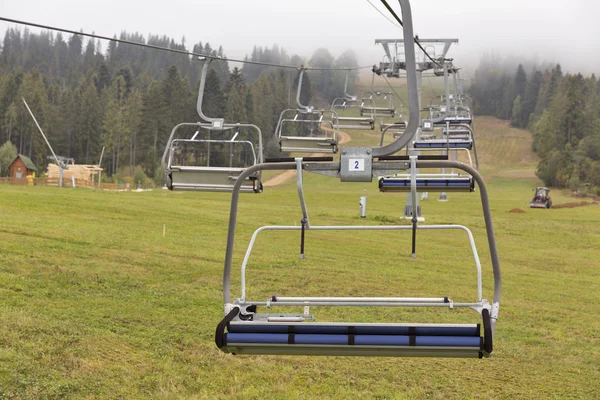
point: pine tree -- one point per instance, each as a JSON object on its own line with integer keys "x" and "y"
{"x": 530, "y": 98}
{"x": 8, "y": 153}
{"x": 516, "y": 112}
{"x": 133, "y": 113}
{"x": 150, "y": 127}
{"x": 114, "y": 127}
{"x": 88, "y": 121}
{"x": 574, "y": 118}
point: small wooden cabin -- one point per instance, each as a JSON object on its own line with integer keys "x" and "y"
{"x": 21, "y": 168}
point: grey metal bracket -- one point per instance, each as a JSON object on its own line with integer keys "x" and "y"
{"x": 427, "y": 125}
{"x": 300, "y": 187}
{"x": 216, "y": 123}
{"x": 356, "y": 164}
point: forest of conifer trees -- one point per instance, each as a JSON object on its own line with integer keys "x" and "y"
{"x": 127, "y": 99}
{"x": 562, "y": 111}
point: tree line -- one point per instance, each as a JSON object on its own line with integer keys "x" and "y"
{"x": 127, "y": 99}
{"x": 562, "y": 110}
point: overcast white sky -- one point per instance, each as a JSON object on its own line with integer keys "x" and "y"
{"x": 563, "y": 31}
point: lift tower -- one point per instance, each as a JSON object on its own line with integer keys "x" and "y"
{"x": 394, "y": 62}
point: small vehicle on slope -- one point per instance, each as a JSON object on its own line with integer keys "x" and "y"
{"x": 541, "y": 199}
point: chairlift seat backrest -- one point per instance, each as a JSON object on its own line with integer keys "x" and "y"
{"x": 203, "y": 164}
{"x": 308, "y": 130}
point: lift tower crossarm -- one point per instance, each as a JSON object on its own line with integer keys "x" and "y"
{"x": 447, "y": 43}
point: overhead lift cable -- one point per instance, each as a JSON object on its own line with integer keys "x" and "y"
{"x": 416, "y": 39}
{"x": 392, "y": 88}
{"x": 383, "y": 15}
{"x": 184, "y": 52}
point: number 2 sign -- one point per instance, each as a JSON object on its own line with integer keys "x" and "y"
{"x": 356, "y": 164}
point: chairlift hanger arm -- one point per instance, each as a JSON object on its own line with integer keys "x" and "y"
{"x": 299, "y": 90}
{"x": 205, "y": 65}
{"x": 413, "y": 96}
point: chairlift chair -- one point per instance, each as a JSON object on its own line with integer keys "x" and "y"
{"x": 435, "y": 182}
{"x": 214, "y": 156}
{"x": 378, "y": 104}
{"x": 450, "y": 138}
{"x": 351, "y": 102}
{"x": 427, "y": 182}
{"x": 348, "y": 101}
{"x": 253, "y": 327}
{"x": 306, "y": 129}
{"x": 460, "y": 116}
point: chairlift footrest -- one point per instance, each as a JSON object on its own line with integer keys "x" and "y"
{"x": 309, "y": 338}
{"x": 394, "y": 184}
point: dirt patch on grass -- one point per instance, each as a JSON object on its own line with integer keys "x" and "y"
{"x": 517, "y": 211}
{"x": 576, "y": 204}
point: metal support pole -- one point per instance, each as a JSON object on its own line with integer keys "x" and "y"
{"x": 443, "y": 196}
{"x": 412, "y": 202}
{"x": 363, "y": 205}
{"x": 413, "y": 193}
{"x": 300, "y": 187}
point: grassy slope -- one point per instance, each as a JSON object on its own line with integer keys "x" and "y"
{"x": 95, "y": 303}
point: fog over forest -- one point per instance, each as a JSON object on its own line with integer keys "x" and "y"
{"x": 531, "y": 64}
{"x": 539, "y": 30}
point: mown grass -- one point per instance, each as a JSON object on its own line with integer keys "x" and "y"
{"x": 96, "y": 303}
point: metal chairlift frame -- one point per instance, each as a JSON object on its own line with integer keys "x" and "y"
{"x": 353, "y": 122}
{"x": 347, "y": 98}
{"x": 211, "y": 178}
{"x": 250, "y": 332}
{"x": 327, "y": 143}
{"x": 373, "y": 109}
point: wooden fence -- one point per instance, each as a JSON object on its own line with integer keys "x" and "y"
{"x": 79, "y": 183}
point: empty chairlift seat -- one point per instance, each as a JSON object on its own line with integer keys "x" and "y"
{"x": 457, "y": 139}
{"x": 350, "y": 122}
{"x": 212, "y": 159}
{"x": 378, "y": 104}
{"x": 460, "y": 132}
{"x": 344, "y": 103}
{"x": 456, "y": 120}
{"x": 308, "y": 130}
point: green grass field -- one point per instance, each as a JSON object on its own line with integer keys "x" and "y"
{"x": 96, "y": 303}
